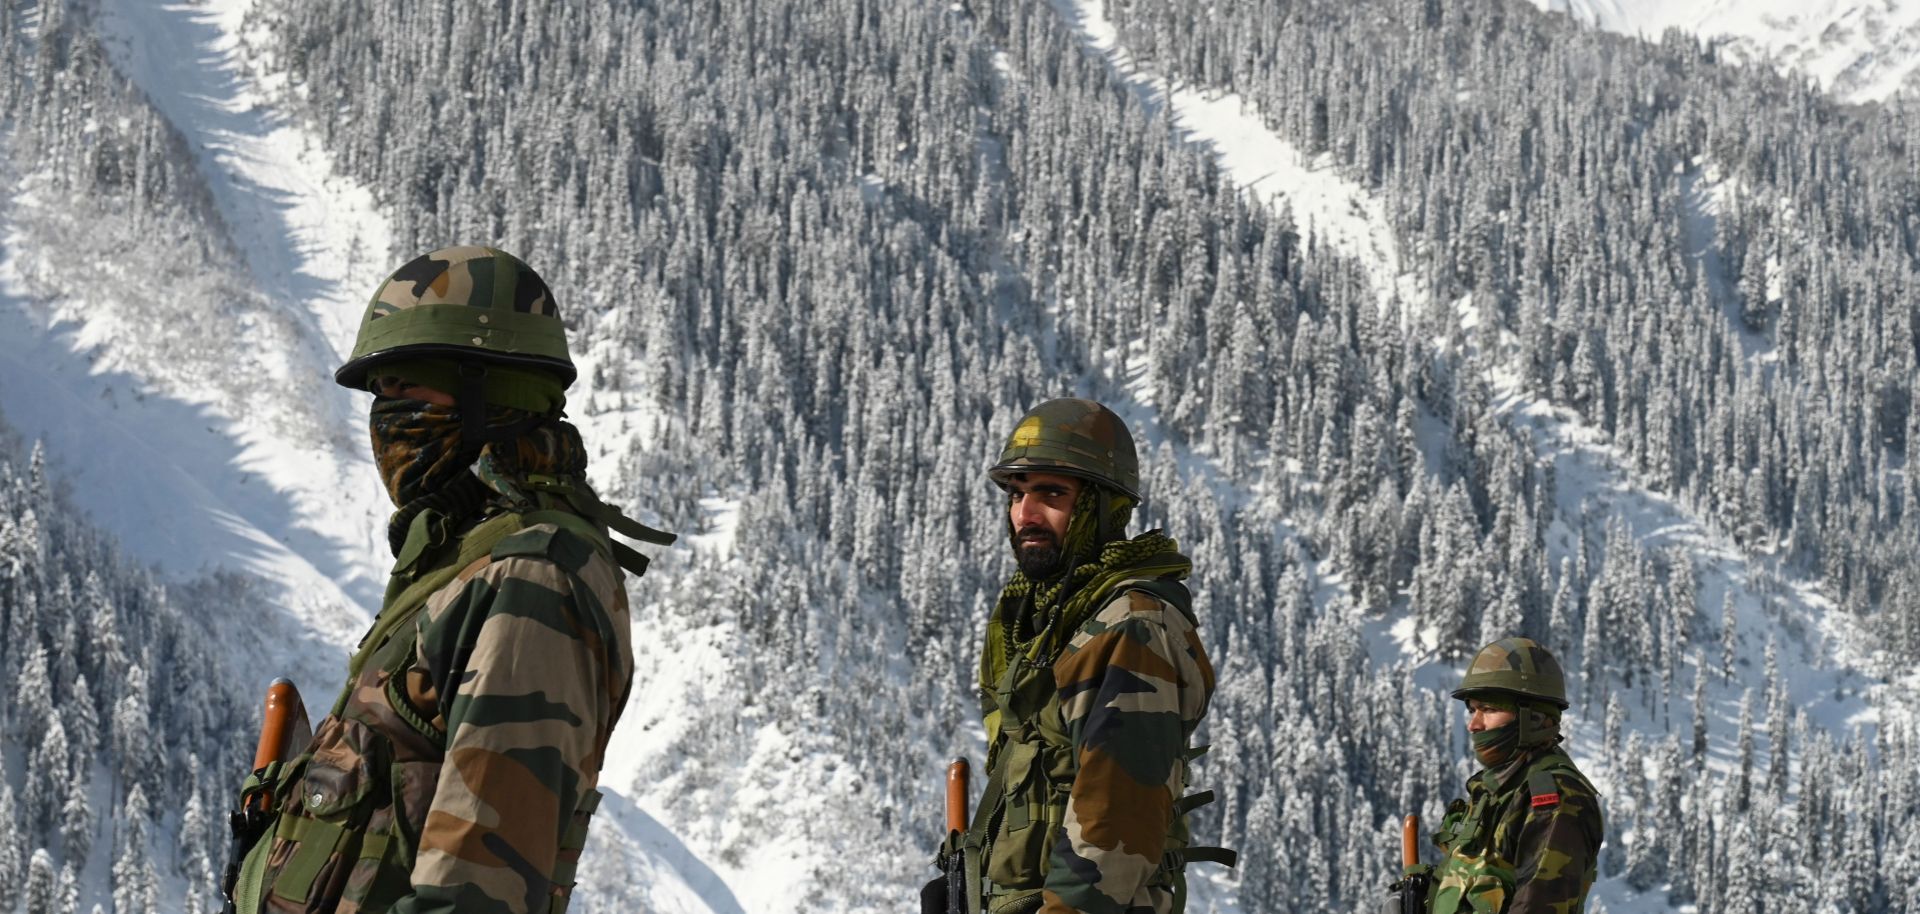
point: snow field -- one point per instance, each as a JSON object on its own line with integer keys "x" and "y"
{"x": 1860, "y": 50}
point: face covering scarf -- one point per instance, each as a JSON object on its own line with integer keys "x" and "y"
{"x": 1496, "y": 745}
{"x": 416, "y": 445}
{"x": 424, "y": 465}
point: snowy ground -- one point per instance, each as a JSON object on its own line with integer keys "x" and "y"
{"x": 1860, "y": 50}
{"x": 1336, "y": 210}
{"x": 174, "y": 480}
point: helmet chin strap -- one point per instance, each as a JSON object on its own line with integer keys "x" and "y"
{"x": 1523, "y": 709}
{"x": 1100, "y": 532}
{"x": 471, "y": 399}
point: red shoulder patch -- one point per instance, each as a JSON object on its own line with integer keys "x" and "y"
{"x": 1546, "y": 799}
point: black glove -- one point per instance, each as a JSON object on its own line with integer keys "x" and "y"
{"x": 933, "y": 896}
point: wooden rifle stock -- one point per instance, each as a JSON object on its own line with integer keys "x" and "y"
{"x": 1408, "y": 895}
{"x": 953, "y": 854}
{"x": 283, "y": 723}
{"x": 957, "y": 796}
{"x": 284, "y": 729}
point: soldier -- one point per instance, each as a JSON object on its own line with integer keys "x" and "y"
{"x": 457, "y": 769}
{"x": 1092, "y": 680}
{"x": 1526, "y": 839}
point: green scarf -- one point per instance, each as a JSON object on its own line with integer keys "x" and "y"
{"x": 1532, "y": 728}
{"x": 1038, "y": 618}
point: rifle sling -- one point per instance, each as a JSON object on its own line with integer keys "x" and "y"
{"x": 404, "y": 606}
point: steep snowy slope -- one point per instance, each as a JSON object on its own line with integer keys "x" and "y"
{"x": 219, "y": 445}
{"x": 800, "y": 672}
{"x": 1860, "y": 50}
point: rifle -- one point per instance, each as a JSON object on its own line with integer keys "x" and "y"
{"x": 1409, "y": 894}
{"x": 283, "y": 728}
{"x": 956, "y": 858}
{"x": 947, "y": 893}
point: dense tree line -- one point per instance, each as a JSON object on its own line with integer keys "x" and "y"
{"x": 114, "y": 696}
{"x": 121, "y": 730}
{"x": 1717, "y": 266}
{"x": 827, "y": 261}
{"x": 836, "y": 256}
{"x": 823, "y": 264}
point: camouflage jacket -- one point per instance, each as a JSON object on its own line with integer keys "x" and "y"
{"x": 459, "y": 770}
{"x": 1524, "y": 842}
{"x": 1093, "y": 744}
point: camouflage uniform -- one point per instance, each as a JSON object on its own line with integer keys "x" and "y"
{"x": 1526, "y": 839}
{"x": 457, "y": 770}
{"x": 1131, "y": 688}
{"x": 1089, "y": 717}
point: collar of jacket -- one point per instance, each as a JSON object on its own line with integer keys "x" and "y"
{"x": 1499, "y": 779}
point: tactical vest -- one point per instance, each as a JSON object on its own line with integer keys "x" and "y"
{"x": 1031, "y": 767}
{"x": 341, "y": 838}
{"x": 1476, "y": 875}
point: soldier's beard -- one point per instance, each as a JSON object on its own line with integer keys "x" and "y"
{"x": 1040, "y": 559}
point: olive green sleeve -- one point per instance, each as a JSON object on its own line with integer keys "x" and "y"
{"x": 1554, "y": 865}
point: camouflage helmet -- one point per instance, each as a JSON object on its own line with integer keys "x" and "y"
{"x": 1074, "y": 438}
{"x": 466, "y": 304}
{"x": 1517, "y": 666}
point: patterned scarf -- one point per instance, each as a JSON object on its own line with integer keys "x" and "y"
{"x": 1040, "y": 617}
{"x": 417, "y": 447}
{"x": 425, "y": 466}
{"x": 552, "y": 448}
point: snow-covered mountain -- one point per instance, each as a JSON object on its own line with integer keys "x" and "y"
{"x": 1860, "y": 50}
{"x": 1419, "y": 353}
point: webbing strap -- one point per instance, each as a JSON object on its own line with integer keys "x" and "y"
{"x": 253, "y": 868}
{"x": 567, "y": 864}
{"x": 317, "y": 841}
{"x": 584, "y": 504}
{"x": 402, "y": 608}
{"x": 1192, "y": 801}
{"x": 975, "y": 845}
{"x": 588, "y": 504}
{"x": 262, "y": 781}
{"x": 374, "y": 845}
{"x": 1178, "y": 859}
